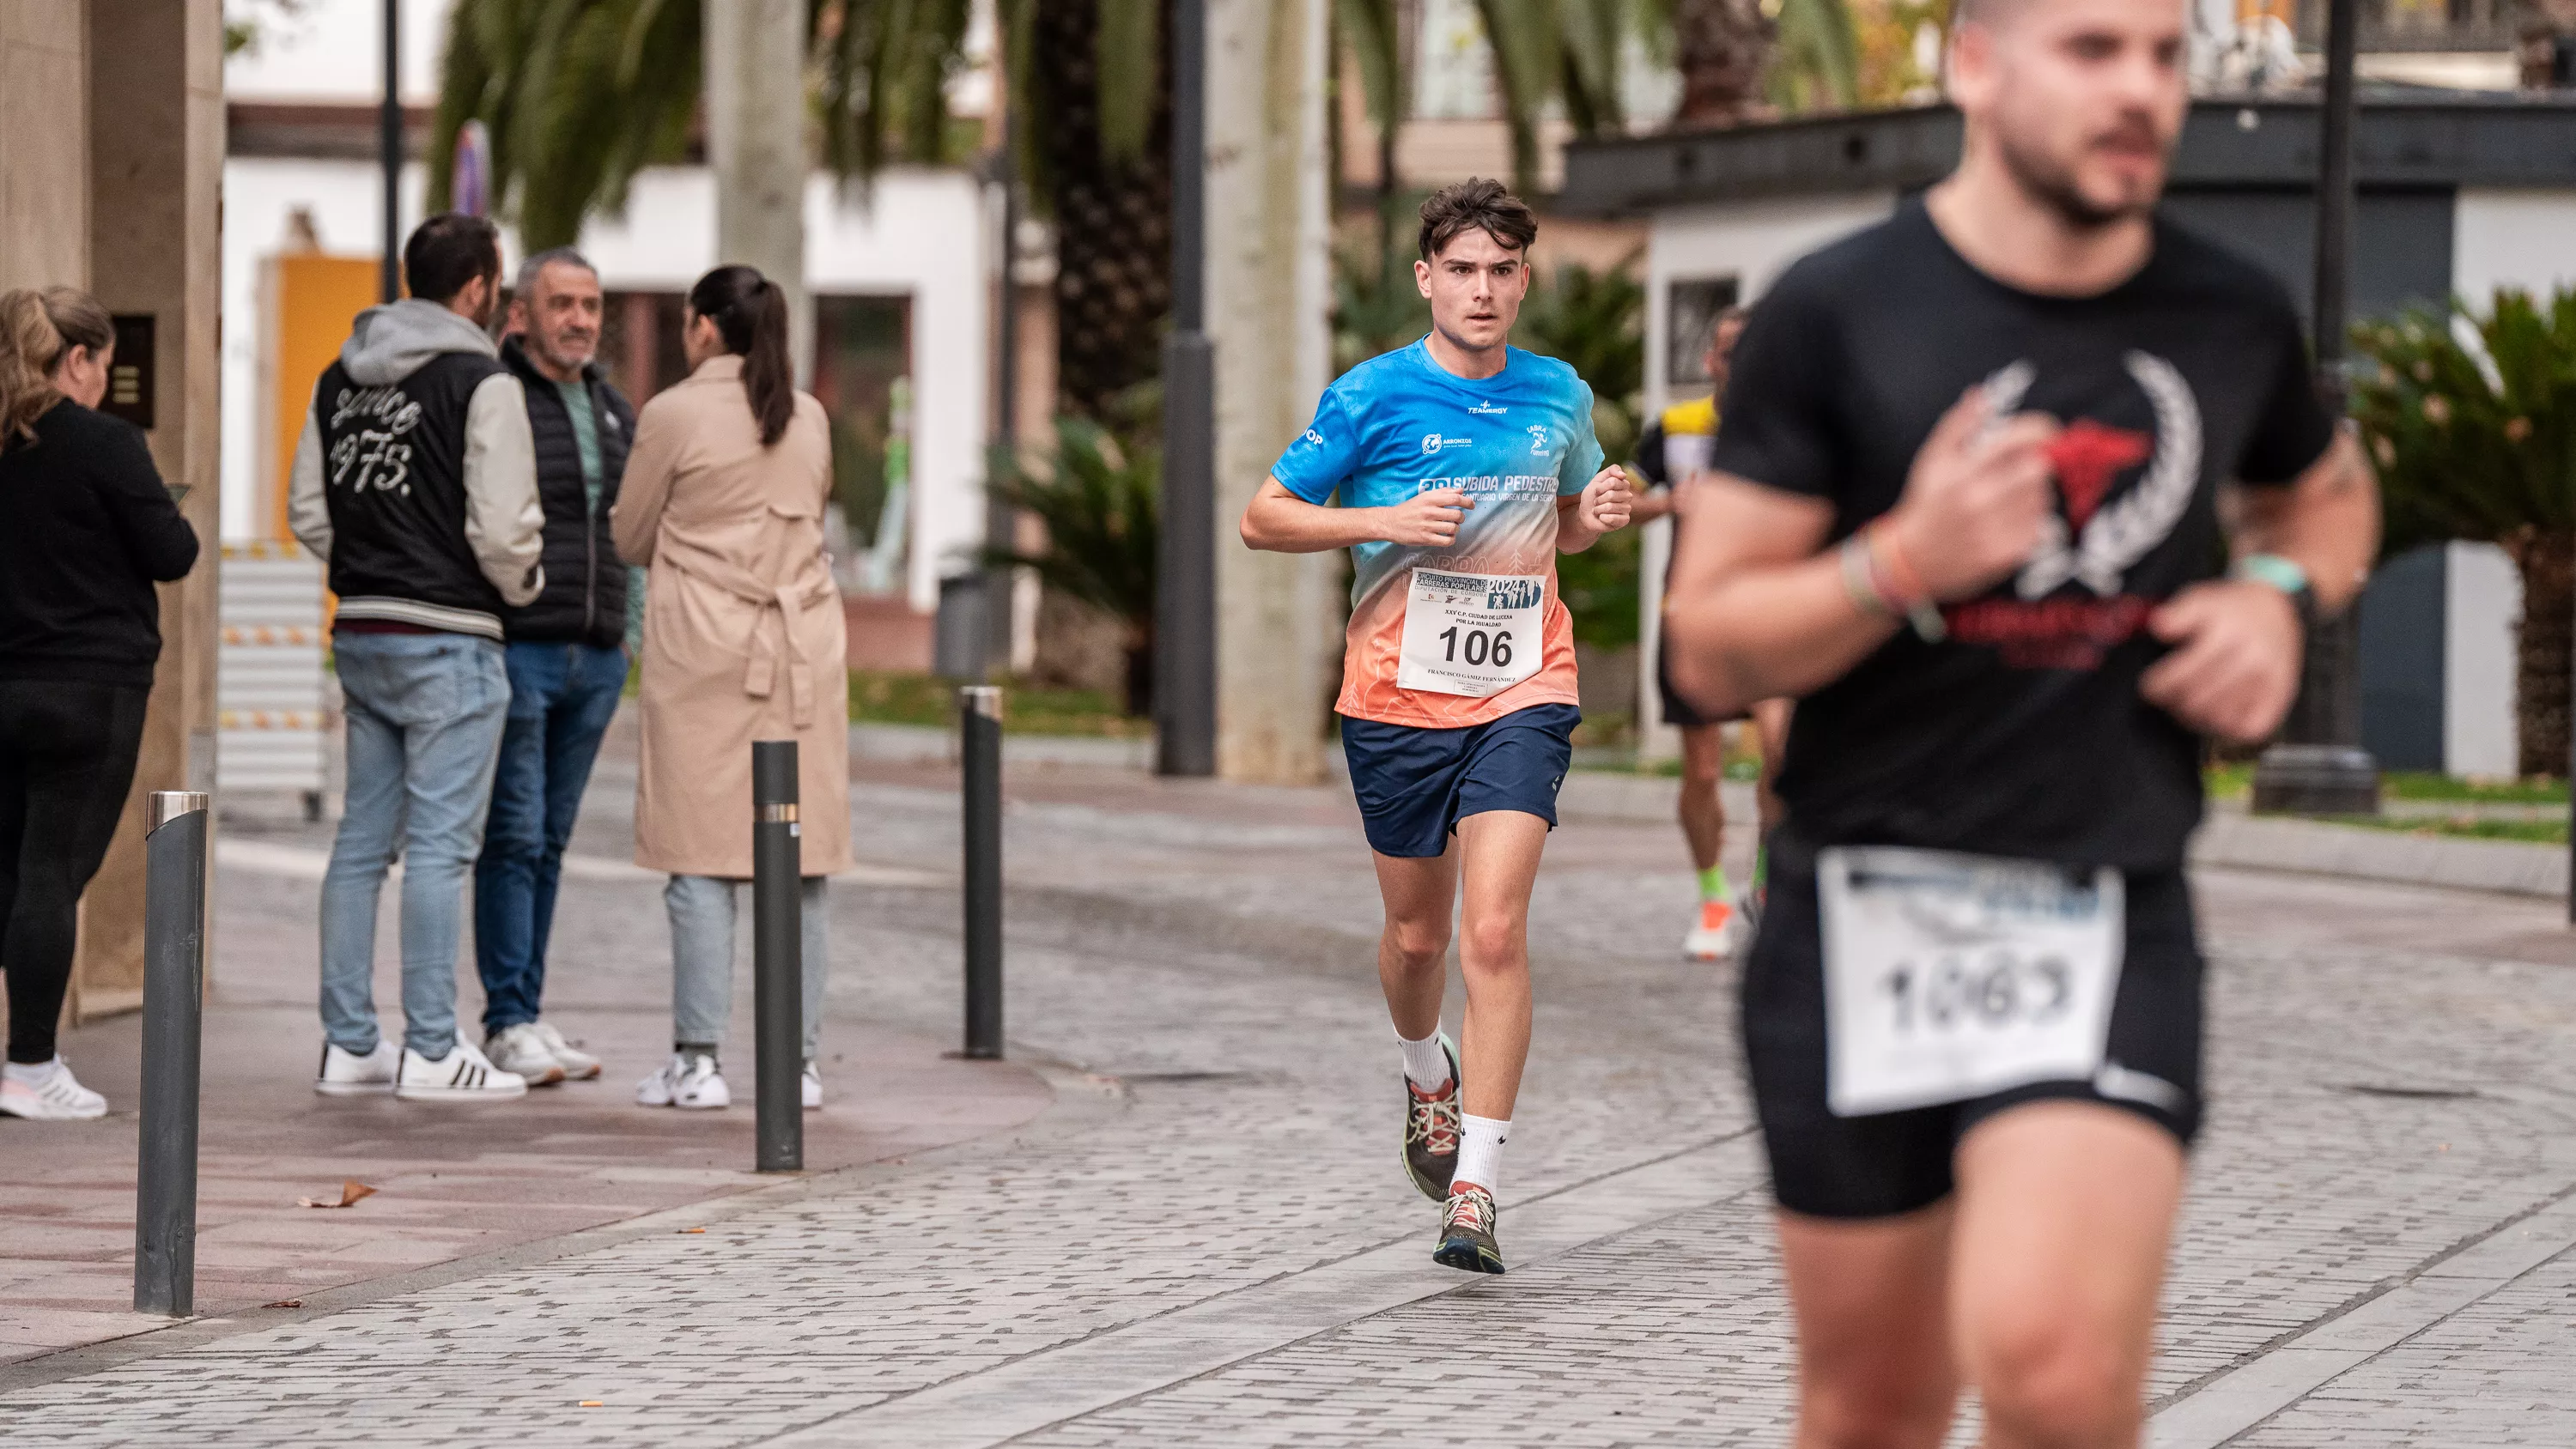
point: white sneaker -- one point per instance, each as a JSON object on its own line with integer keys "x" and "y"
{"x": 521, "y": 1051}
{"x": 689, "y": 1080}
{"x": 48, "y": 1093}
{"x": 1713, "y": 933}
{"x": 578, "y": 1065}
{"x": 463, "y": 1075}
{"x": 813, "y": 1080}
{"x": 347, "y": 1074}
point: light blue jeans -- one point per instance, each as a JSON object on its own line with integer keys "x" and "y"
{"x": 425, "y": 713}
{"x": 702, "y": 925}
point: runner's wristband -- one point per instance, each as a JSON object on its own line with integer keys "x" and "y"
{"x": 2284, "y": 574}
{"x": 1904, "y": 587}
{"x": 1860, "y": 578}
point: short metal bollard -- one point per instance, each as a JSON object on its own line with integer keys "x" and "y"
{"x": 979, "y": 724}
{"x": 174, "y": 976}
{"x": 777, "y": 957}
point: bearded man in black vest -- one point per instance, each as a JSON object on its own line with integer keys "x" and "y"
{"x": 567, "y": 655}
{"x": 415, "y": 482}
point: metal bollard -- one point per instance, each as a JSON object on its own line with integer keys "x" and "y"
{"x": 777, "y": 957}
{"x": 174, "y": 975}
{"x": 979, "y": 724}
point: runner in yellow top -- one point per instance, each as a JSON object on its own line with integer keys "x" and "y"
{"x": 1672, "y": 453}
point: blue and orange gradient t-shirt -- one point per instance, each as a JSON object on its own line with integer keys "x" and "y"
{"x": 1515, "y": 443}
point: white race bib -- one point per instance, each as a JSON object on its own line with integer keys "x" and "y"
{"x": 1471, "y": 634}
{"x": 1952, "y": 976}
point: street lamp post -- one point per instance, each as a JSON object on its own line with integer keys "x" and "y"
{"x": 2319, "y": 766}
{"x": 1001, "y": 521}
{"x": 1185, "y": 568}
{"x": 389, "y": 151}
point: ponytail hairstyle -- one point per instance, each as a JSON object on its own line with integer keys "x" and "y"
{"x": 36, "y": 329}
{"x": 750, "y": 313}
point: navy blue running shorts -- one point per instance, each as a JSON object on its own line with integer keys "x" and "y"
{"x": 1889, "y": 1163}
{"x": 1415, "y": 784}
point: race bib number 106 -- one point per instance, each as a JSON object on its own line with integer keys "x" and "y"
{"x": 1471, "y": 634}
{"x": 1952, "y": 976}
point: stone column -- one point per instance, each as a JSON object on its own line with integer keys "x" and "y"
{"x": 155, "y": 110}
{"x": 44, "y": 146}
{"x": 755, "y": 99}
{"x": 1269, "y": 303}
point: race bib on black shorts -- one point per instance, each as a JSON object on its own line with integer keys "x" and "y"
{"x": 1951, "y": 976}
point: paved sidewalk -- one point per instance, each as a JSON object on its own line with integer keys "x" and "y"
{"x": 1207, "y": 1241}
{"x": 452, "y": 1182}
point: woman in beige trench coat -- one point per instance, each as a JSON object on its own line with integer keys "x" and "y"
{"x": 723, "y": 500}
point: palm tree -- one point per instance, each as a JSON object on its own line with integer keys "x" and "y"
{"x": 1739, "y": 56}
{"x": 1100, "y": 161}
{"x": 2472, "y": 422}
{"x": 579, "y": 95}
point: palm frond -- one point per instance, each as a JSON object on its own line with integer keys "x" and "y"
{"x": 1127, "y": 71}
{"x": 1525, "y": 40}
{"x": 1373, "y": 29}
{"x": 1817, "y": 64}
{"x": 1102, "y": 509}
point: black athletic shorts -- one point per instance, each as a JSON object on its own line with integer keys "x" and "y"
{"x": 1679, "y": 712}
{"x": 1896, "y": 1162}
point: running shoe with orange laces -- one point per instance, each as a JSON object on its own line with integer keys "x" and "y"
{"x": 1717, "y": 932}
{"x": 1467, "y": 1232}
{"x": 1431, "y": 1131}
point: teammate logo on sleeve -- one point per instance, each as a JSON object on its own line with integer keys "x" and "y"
{"x": 1462, "y": 466}
{"x": 1963, "y": 506}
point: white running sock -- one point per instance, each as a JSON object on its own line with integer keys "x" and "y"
{"x": 1425, "y": 1064}
{"x": 33, "y": 1074}
{"x": 1480, "y": 1152}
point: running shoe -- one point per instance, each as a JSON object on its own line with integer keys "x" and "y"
{"x": 1713, "y": 936}
{"x": 1748, "y": 913}
{"x": 1431, "y": 1130}
{"x": 812, "y": 1088}
{"x": 1467, "y": 1232}
{"x": 48, "y": 1092}
{"x": 578, "y": 1065}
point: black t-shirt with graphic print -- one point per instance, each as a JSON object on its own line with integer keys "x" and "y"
{"x": 2021, "y": 733}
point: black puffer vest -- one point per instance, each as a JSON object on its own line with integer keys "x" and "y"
{"x": 585, "y": 595}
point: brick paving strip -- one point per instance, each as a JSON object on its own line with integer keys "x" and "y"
{"x": 2375, "y": 1249}
{"x": 1118, "y": 1365}
{"x": 2240, "y": 1399}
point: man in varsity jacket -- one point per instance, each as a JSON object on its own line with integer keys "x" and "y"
{"x": 415, "y": 481}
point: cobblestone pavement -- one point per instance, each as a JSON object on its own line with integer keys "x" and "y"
{"x": 1208, "y": 1240}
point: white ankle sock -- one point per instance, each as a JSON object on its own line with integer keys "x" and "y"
{"x": 1480, "y": 1152}
{"x": 1425, "y": 1064}
{"x": 33, "y": 1074}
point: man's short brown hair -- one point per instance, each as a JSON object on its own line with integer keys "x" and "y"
{"x": 1476, "y": 205}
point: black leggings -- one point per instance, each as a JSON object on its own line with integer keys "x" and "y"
{"x": 66, "y": 759}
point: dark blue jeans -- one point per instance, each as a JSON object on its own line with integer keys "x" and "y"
{"x": 561, "y": 699}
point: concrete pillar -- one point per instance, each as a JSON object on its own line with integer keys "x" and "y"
{"x": 155, "y": 109}
{"x": 755, "y": 98}
{"x": 44, "y": 146}
{"x": 1269, "y": 290}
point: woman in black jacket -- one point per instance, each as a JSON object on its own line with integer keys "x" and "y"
{"x": 85, "y": 530}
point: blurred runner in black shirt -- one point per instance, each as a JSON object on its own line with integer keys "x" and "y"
{"x": 1963, "y": 505}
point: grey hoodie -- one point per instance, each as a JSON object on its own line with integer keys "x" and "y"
{"x": 504, "y": 522}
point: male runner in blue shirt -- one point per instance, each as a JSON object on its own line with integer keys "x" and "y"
{"x": 1463, "y": 467}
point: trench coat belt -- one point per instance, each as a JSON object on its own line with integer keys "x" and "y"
{"x": 789, "y": 602}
